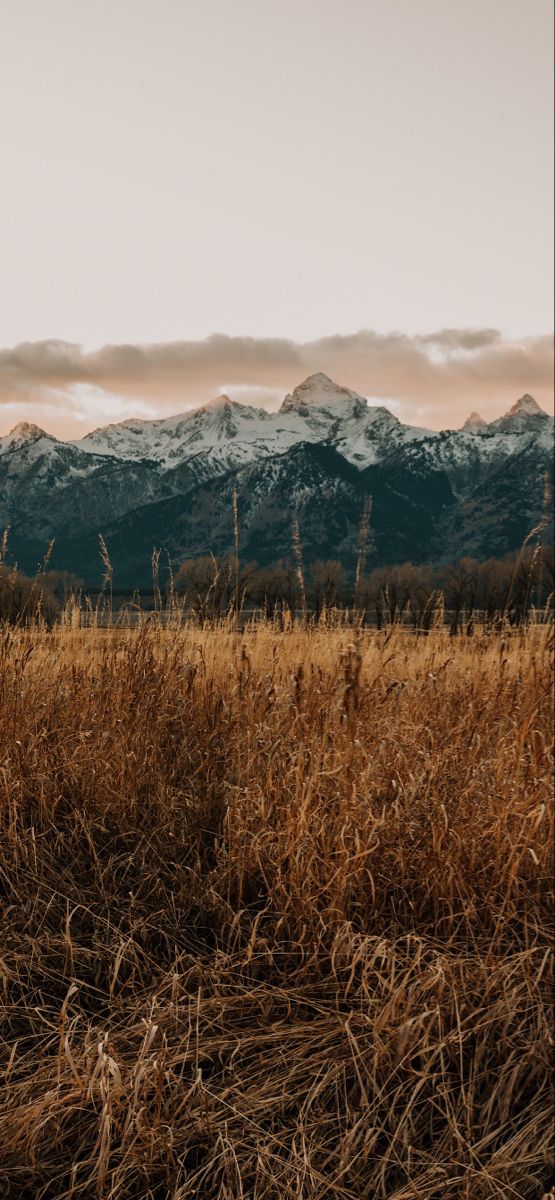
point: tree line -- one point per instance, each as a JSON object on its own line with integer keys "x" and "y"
{"x": 464, "y": 590}
{"x": 459, "y": 593}
{"x": 23, "y": 598}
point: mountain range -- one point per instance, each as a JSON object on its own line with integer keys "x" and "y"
{"x": 168, "y": 483}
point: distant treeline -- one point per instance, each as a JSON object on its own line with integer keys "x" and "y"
{"x": 510, "y": 587}
{"x": 459, "y": 593}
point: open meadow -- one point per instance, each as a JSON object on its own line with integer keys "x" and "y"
{"x": 276, "y": 913}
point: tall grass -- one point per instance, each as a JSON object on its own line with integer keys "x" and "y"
{"x": 276, "y": 913}
{"x": 362, "y": 546}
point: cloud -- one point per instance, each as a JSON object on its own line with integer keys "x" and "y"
{"x": 461, "y": 339}
{"x": 434, "y": 378}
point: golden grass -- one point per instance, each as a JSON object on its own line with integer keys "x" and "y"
{"x": 276, "y": 914}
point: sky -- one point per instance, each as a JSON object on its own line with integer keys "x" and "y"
{"x": 225, "y": 195}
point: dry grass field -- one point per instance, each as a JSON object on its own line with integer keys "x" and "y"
{"x": 276, "y": 914}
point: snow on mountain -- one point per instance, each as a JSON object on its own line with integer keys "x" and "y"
{"x": 319, "y": 394}
{"x": 362, "y": 433}
{"x": 33, "y": 463}
{"x": 24, "y": 435}
{"x": 51, "y": 489}
{"x": 373, "y": 436}
{"x": 223, "y": 435}
{"x": 468, "y": 455}
{"x": 526, "y": 405}
{"x": 324, "y": 445}
{"x": 525, "y": 416}
{"x": 229, "y": 434}
{"x": 475, "y": 424}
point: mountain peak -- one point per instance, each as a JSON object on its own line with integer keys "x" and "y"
{"x": 318, "y": 381}
{"x": 475, "y": 423}
{"x": 25, "y": 431}
{"x": 527, "y": 405}
{"x": 22, "y": 435}
{"x": 525, "y": 416}
{"x": 222, "y": 401}
{"x": 319, "y": 391}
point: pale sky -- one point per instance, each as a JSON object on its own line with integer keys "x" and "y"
{"x": 296, "y": 170}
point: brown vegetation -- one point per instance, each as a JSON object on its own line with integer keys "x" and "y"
{"x": 276, "y": 913}
{"x": 468, "y": 590}
{"x": 23, "y": 599}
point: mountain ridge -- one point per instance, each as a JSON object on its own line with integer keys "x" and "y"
{"x": 317, "y": 394}
{"x": 131, "y": 479}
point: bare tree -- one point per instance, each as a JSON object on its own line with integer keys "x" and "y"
{"x": 326, "y": 580}
{"x": 23, "y": 599}
{"x": 461, "y": 583}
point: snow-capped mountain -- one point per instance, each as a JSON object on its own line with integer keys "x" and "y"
{"x": 231, "y": 434}
{"x": 318, "y": 410}
{"x": 525, "y": 417}
{"x": 25, "y": 436}
{"x": 31, "y": 460}
{"x": 221, "y": 425}
{"x": 132, "y": 479}
{"x": 49, "y": 487}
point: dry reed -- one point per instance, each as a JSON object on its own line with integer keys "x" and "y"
{"x": 276, "y": 914}
{"x": 362, "y": 547}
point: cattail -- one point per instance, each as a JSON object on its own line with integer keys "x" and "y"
{"x": 298, "y": 556}
{"x": 362, "y": 543}
{"x": 212, "y": 590}
{"x": 4, "y": 544}
{"x": 438, "y": 601}
{"x": 546, "y": 496}
{"x": 351, "y": 661}
{"x": 108, "y": 569}
{"x": 155, "y": 563}
{"x": 171, "y": 586}
{"x": 236, "y": 548}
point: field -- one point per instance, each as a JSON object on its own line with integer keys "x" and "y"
{"x": 276, "y": 914}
